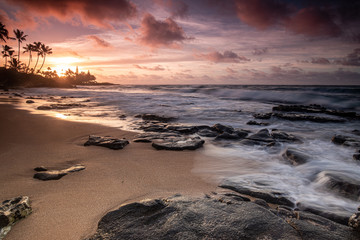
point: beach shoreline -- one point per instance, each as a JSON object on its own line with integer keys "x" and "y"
{"x": 70, "y": 208}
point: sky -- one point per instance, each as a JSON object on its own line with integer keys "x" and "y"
{"x": 195, "y": 41}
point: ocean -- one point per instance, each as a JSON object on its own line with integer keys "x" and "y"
{"x": 254, "y": 167}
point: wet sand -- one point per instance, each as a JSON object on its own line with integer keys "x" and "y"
{"x": 71, "y": 207}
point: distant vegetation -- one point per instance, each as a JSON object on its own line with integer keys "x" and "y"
{"x": 18, "y": 74}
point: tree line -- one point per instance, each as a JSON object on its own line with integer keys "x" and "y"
{"x": 40, "y": 50}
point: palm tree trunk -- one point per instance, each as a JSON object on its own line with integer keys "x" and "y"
{"x": 42, "y": 62}
{"x": 19, "y": 52}
{"x": 36, "y": 63}
{"x": 5, "y": 62}
{"x": 28, "y": 66}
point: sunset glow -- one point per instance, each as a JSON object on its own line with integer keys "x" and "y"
{"x": 195, "y": 42}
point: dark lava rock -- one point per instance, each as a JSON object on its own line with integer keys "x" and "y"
{"x": 182, "y": 129}
{"x": 153, "y": 117}
{"x": 295, "y": 157}
{"x": 356, "y": 156}
{"x": 29, "y": 101}
{"x": 60, "y": 106}
{"x": 178, "y": 144}
{"x": 356, "y": 132}
{"x": 346, "y": 141}
{"x": 228, "y": 136}
{"x": 57, "y": 174}
{"x": 269, "y": 197}
{"x": 345, "y": 184}
{"x": 311, "y": 226}
{"x": 123, "y": 116}
{"x": 154, "y": 127}
{"x": 11, "y": 211}
{"x": 262, "y": 203}
{"x": 109, "y": 142}
{"x": 40, "y": 169}
{"x": 222, "y": 128}
{"x": 339, "y": 218}
{"x": 149, "y": 137}
{"x": 354, "y": 221}
{"x": 300, "y": 108}
{"x": 257, "y": 123}
{"x": 184, "y": 218}
{"x": 284, "y": 137}
{"x": 311, "y": 118}
{"x": 262, "y": 136}
{"x": 44, "y": 107}
{"x": 208, "y": 218}
{"x": 262, "y": 115}
{"x": 17, "y": 95}
{"x": 207, "y": 133}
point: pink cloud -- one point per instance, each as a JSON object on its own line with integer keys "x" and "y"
{"x": 157, "y": 33}
{"x": 175, "y": 7}
{"x": 90, "y": 12}
{"x": 227, "y": 57}
{"x": 156, "y": 68}
{"x": 99, "y": 41}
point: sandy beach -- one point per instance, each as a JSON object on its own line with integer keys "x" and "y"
{"x": 71, "y": 207}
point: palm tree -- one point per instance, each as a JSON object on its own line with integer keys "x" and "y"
{"x": 46, "y": 50}
{"x": 19, "y": 35}
{"x": 15, "y": 64}
{"x": 4, "y": 33}
{"x": 28, "y": 48}
{"x": 37, "y": 48}
{"x": 7, "y": 52}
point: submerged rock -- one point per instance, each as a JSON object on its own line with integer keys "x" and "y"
{"x": 345, "y": 184}
{"x": 207, "y": 133}
{"x": 222, "y": 128}
{"x": 356, "y": 156}
{"x": 178, "y": 143}
{"x": 30, "y": 101}
{"x": 269, "y": 197}
{"x": 109, "y": 142}
{"x": 149, "y": 137}
{"x": 153, "y": 117}
{"x": 262, "y": 115}
{"x": 261, "y": 136}
{"x": 57, "y": 174}
{"x": 284, "y": 137}
{"x": 295, "y": 157}
{"x": 11, "y": 211}
{"x": 311, "y": 118}
{"x": 257, "y": 123}
{"x": 346, "y": 141}
{"x": 354, "y": 220}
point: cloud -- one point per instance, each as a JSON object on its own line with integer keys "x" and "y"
{"x": 89, "y": 12}
{"x": 261, "y": 14}
{"x": 352, "y": 59}
{"x": 157, "y": 33}
{"x": 99, "y": 41}
{"x": 260, "y": 51}
{"x": 313, "y": 22}
{"x": 156, "y": 68}
{"x": 230, "y": 71}
{"x": 227, "y": 57}
{"x": 177, "y": 8}
{"x": 320, "y": 60}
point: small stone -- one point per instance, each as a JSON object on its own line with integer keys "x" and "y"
{"x": 13, "y": 210}
{"x": 109, "y": 142}
{"x": 29, "y": 101}
{"x": 356, "y": 156}
{"x": 178, "y": 144}
{"x": 354, "y": 221}
{"x": 40, "y": 169}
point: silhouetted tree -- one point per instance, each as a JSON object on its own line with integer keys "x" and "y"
{"x": 46, "y": 50}
{"x": 37, "y": 48}
{"x": 28, "y": 48}
{"x": 7, "y": 52}
{"x": 20, "y": 36}
{"x": 15, "y": 64}
{"x": 4, "y": 33}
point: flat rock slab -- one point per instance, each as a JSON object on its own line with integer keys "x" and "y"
{"x": 11, "y": 211}
{"x": 208, "y": 218}
{"x": 60, "y": 106}
{"x": 149, "y": 137}
{"x": 57, "y": 174}
{"x": 109, "y": 142}
{"x": 269, "y": 197}
{"x": 178, "y": 143}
